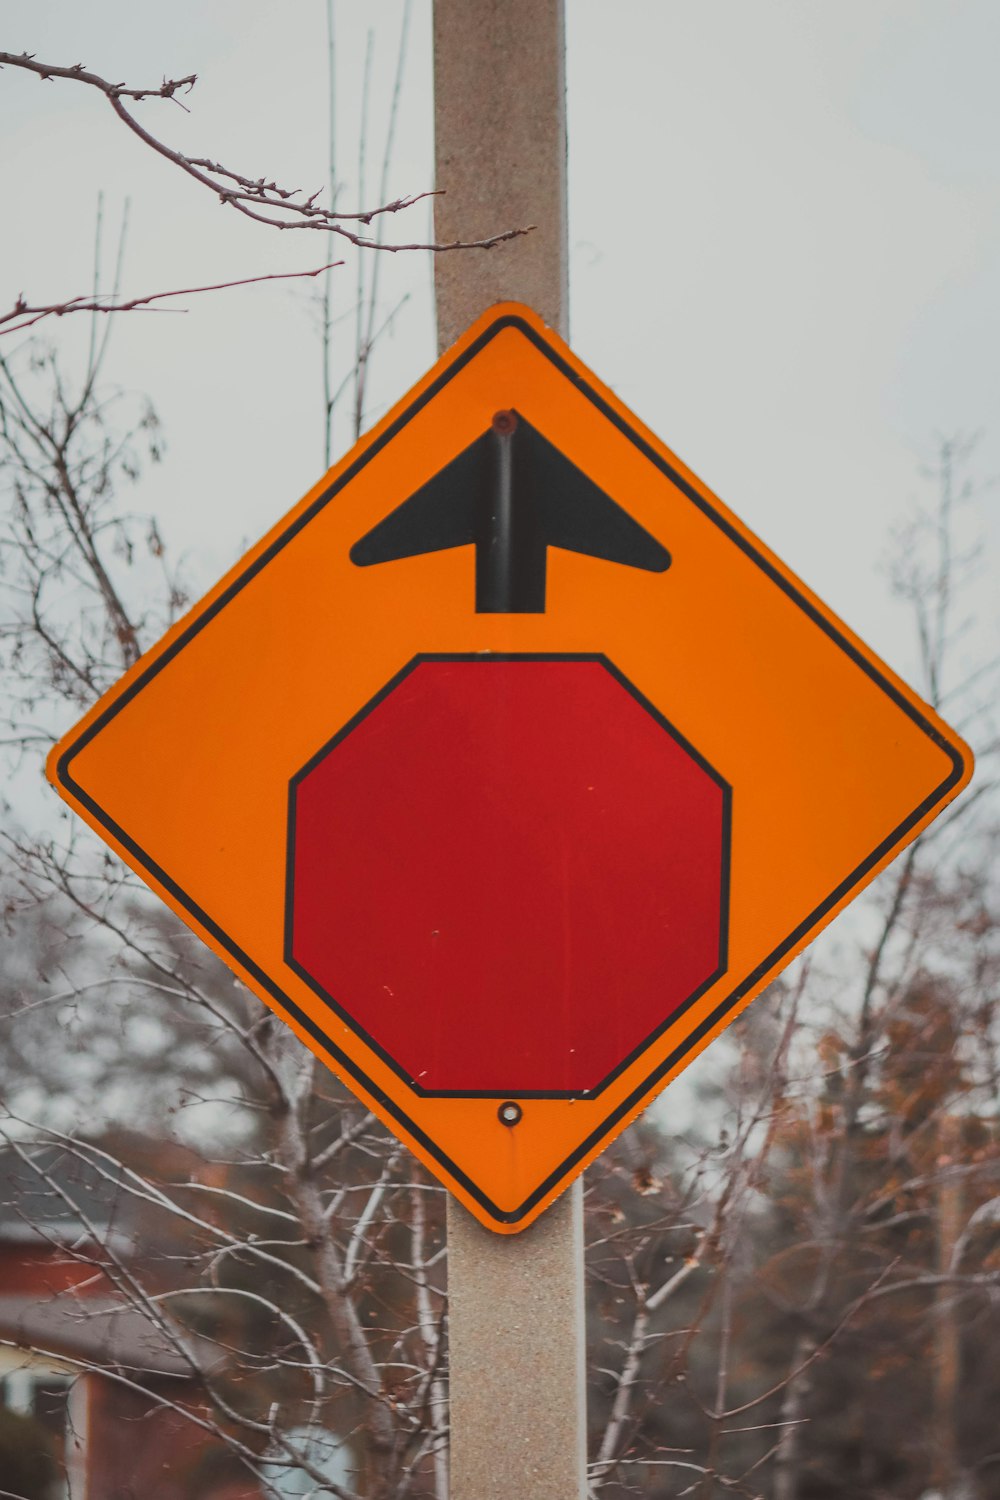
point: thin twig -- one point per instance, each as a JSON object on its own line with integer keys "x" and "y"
{"x": 31, "y": 315}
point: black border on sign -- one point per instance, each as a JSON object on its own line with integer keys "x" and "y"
{"x": 340, "y": 1060}
{"x": 486, "y": 659}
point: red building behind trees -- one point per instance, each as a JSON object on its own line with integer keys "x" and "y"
{"x": 94, "y": 1393}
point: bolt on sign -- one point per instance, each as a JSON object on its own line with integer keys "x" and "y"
{"x": 509, "y": 767}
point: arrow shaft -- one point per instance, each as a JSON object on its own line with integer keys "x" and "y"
{"x": 510, "y": 540}
{"x": 500, "y": 549}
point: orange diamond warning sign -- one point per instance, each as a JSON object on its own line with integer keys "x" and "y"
{"x": 509, "y": 767}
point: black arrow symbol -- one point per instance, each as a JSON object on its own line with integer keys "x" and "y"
{"x": 512, "y": 495}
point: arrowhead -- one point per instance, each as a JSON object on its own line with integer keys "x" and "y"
{"x": 512, "y": 494}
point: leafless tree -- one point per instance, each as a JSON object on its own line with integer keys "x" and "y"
{"x": 260, "y": 199}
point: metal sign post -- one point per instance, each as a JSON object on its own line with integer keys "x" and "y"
{"x": 516, "y": 1313}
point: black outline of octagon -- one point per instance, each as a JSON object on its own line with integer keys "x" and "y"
{"x": 338, "y": 1008}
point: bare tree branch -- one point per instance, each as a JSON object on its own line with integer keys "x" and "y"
{"x": 29, "y": 314}
{"x": 258, "y": 198}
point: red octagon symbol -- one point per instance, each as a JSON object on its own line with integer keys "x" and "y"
{"x": 508, "y": 874}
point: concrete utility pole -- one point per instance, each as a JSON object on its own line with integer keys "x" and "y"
{"x": 516, "y": 1313}
{"x": 500, "y": 149}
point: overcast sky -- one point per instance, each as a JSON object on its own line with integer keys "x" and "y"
{"x": 785, "y": 225}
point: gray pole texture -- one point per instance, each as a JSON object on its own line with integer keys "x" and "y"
{"x": 500, "y": 156}
{"x": 516, "y": 1311}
